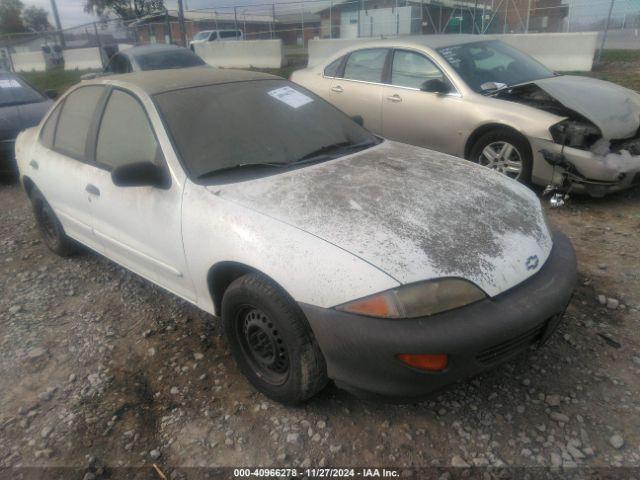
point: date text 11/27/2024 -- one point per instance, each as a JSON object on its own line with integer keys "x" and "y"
{"x": 316, "y": 472}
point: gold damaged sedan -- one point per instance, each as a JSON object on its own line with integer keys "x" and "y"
{"x": 490, "y": 103}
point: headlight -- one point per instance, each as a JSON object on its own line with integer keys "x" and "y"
{"x": 416, "y": 300}
{"x": 574, "y": 134}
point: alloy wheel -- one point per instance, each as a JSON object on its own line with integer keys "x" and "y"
{"x": 502, "y": 157}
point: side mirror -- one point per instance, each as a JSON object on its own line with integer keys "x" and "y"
{"x": 358, "y": 119}
{"x": 436, "y": 85}
{"x": 52, "y": 94}
{"x": 141, "y": 174}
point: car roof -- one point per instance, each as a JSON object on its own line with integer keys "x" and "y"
{"x": 142, "y": 49}
{"x": 159, "y": 81}
{"x": 430, "y": 41}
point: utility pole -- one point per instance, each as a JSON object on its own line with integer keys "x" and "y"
{"x": 273, "y": 18}
{"x": 56, "y": 18}
{"x": 99, "y": 43}
{"x": 302, "y": 21}
{"x": 528, "y": 17}
{"x": 183, "y": 30}
{"x": 330, "y": 18}
{"x": 606, "y": 32}
{"x": 235, "y": 16}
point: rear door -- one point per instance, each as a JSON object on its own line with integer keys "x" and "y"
{"x": 60, "y": 163}
{"x": 359, "y": 91}
{"x": 139, "y": 227}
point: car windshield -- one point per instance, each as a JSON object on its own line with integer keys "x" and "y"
{"x": 14, "y": 91}
{"x": 487, "y": 62}
{"x": 201, "y": 35}
{"x": 260, "y": 122}
{"x": 164, "y": 59}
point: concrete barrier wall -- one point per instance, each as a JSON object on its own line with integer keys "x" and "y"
{"x": 28, "y": 61}
{"x": 627, "y": 39}
{"x": 242, "y": 53}
{"x": 562, "y": 52}
{"x": 82, "y": 58}
{"x": 558, "y": 51}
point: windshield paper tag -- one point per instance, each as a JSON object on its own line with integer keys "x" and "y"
{"x": 290, "y": 96}
{"x": 9, "y": 84}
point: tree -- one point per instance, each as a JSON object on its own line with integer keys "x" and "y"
{"x": 125, "y": 9}
{"x": 35, "y": 19}
{"x": 10, "y": 19}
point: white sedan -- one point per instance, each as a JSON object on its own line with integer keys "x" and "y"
{"x": 328, "y": 252}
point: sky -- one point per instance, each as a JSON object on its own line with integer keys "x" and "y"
{"x": 72, "y": 13}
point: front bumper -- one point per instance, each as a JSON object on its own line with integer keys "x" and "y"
{"x": 360, "y": 351}
{"x": 597, "y": 176}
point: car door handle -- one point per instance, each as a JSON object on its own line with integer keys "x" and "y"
{"x": 395, "y": 98}
{"x": 93, "y": 190}
{"x": 33, "y": 164}
{"x": 337, "y": 89}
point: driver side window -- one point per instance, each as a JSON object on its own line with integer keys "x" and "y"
{"x": 411, "y": 69}
{"x": 125, "y": 134}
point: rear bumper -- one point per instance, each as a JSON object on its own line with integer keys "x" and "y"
{"x": 361, "y": 351}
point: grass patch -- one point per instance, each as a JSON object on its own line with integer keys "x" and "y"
{"x": 57, "y": 79}
{"x": 620, "y": 56}
{"x": 629, "y": 78}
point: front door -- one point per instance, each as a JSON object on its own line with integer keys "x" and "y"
{"x": 140, "y": 227}
{"x": 426, "y": 119}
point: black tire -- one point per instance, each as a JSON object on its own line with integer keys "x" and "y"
{"x": 271, "y": 340}
{"x": 50, "y": 228}
{"x": 498, "y": 135}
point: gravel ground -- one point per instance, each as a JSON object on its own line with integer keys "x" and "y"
{"x": 100, "y": 369}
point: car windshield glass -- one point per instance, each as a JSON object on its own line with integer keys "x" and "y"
{"x": 271, "y": 122}
{"x": 481, "y": 63}
{"x": 201, "y": 35}
{"x": 179, "y": 58}
{"x": 14, "y": 91}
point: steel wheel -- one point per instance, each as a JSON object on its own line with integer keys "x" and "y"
{"x": 502, "y": 157}
{"x": 263, "y": 345}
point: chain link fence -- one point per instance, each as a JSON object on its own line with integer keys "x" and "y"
{"x": 296, "y": 22}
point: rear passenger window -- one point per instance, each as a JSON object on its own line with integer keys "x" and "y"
{"x": 49, "y": 129}
{"x": 331, "y": 70}
{"x": 366, "y": 65}
{"x": 125, "y": 133}
{"x": 77, "y": 114}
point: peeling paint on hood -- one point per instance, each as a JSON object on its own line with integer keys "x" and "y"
{"x": 615, "y": 110}
{"x": 415, "y": 214}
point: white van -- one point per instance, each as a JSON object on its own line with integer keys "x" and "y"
{"x": 215, "y": 36}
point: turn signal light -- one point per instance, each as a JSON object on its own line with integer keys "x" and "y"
{"x": 426, "y": 361}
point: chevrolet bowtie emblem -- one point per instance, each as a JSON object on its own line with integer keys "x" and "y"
{"x": 532, "y": 262}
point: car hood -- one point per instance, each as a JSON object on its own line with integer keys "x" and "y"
{"x": 413, "y": 213}
{"x": 615, "y": 110}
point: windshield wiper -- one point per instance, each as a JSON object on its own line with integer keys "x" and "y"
{"x": 324, "y": 152}
{"x": 244, "y": 166}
